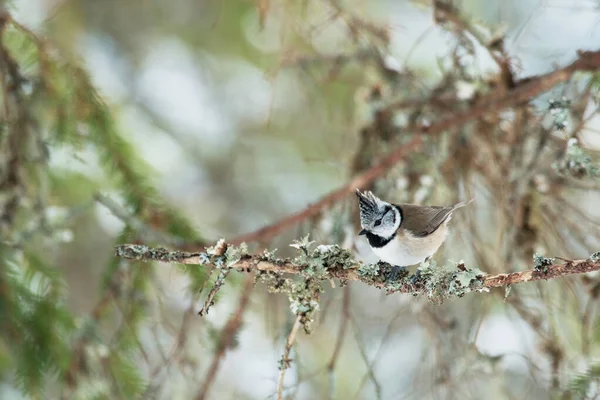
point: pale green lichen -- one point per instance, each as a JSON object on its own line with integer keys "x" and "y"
{"x": 269, "y": 255}
{"x": 313, "y": 265}
{"x": 223, "y": 257}
{"x": 219, "y": 261}
{"x": 466, "y": 281}
{"x": 325, "y": 262}
{"x": 576, "y": 162}
{"x": 217, "y": 249}
{"x": 317, "y": 262}
{"x": 560, "y": 110}
{"x": 507, "y": 291}
{"x": 428, "y": 268}
{"x": 368, "y": 270}
{"x": 335, "y": 256}
{"x": 303, "y": 295}
{"x": 298, "y": 307}
{"x": 134, "y": 252}
{"x": 302, "y": 244}
{"x": 595, "y": 257}
{"x": 436, "y": 280}
{"x": 561, "y": 104}
{"x": 235, "y": 253}
{"x": 204, "y": 258}
{"x": 440, "y": 283}
{"x": 541, "y": 263}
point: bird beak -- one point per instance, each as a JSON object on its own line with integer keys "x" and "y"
{"x": 363, "y": 232}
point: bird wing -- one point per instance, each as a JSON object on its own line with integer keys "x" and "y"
{"x": 424, "y": 220}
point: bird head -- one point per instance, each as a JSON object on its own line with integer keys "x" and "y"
{"x": 377, "y": 216}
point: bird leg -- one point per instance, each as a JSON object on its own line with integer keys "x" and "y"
{"x": 395, "y": 271}
{"x": 417, "y": 274}
{"x": 384, "y": 268}
{"x": 415, "y": 277}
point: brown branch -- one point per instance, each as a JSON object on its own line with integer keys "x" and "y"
{"x": 496, "y": 101}
{"x": 249, "y": 263}
{"x": 314, "y": 209}
{"x": 210, "y": 299}
{"x": 226, "y": 337}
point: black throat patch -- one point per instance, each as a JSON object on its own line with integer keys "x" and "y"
{"x": 378, "y": 241}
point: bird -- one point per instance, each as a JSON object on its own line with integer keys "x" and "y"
{"x": 403, "y": 234}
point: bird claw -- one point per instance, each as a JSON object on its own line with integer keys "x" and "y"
{"x": 395, "y": 271}
{"x": 415, "y": 277}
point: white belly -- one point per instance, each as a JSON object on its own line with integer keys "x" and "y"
{"x": 406, "y": 249}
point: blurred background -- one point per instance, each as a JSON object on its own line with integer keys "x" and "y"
{"x": 178, "y": 123}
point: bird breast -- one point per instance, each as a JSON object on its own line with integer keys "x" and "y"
{"x": 406, "y": 249}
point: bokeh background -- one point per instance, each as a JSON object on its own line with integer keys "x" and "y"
{"x": 178, "y": 123}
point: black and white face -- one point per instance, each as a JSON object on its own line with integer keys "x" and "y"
{"x": 377, "y": 216}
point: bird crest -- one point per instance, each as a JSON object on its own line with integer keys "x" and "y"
{"x": 370, "y": 207}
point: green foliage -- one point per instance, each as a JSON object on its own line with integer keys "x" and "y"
{"x": 130, "y": 383}
{"x": 36, "y": 320}
{"x": 580, "y": 385}
{"x": 59, "y": 108}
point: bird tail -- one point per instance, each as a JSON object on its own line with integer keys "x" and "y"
{"x": 462, "y": 204}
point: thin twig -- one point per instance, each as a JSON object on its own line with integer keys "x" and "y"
{"x": 225, "y": 338}
{"x": 388, "y": 332}
{"x": 285, "y": 359}
{"x": 213, "y": 292}
{"x": 368, "y": 363}
{"x": 339, "y": 340}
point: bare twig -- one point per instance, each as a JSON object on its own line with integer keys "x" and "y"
{"x": 213, "y": 292}
{"x": 285, "y": 359}
{"x": 339, "y": 340}
{"x": 369, "y": 364}
{"x": 258, "y": 263}
{"x": 225, "y": 338}
{"x": 388, "y": 332}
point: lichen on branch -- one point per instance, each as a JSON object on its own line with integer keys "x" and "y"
{"x": 301, "y": 278}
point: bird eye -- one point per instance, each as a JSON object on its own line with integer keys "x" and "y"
{"x": 378, "y": 222}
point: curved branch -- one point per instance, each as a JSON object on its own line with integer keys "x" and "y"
{"x": 314, "y": 209}
{"x": 523, "y": 91}
{"x": 355, "y": 272}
